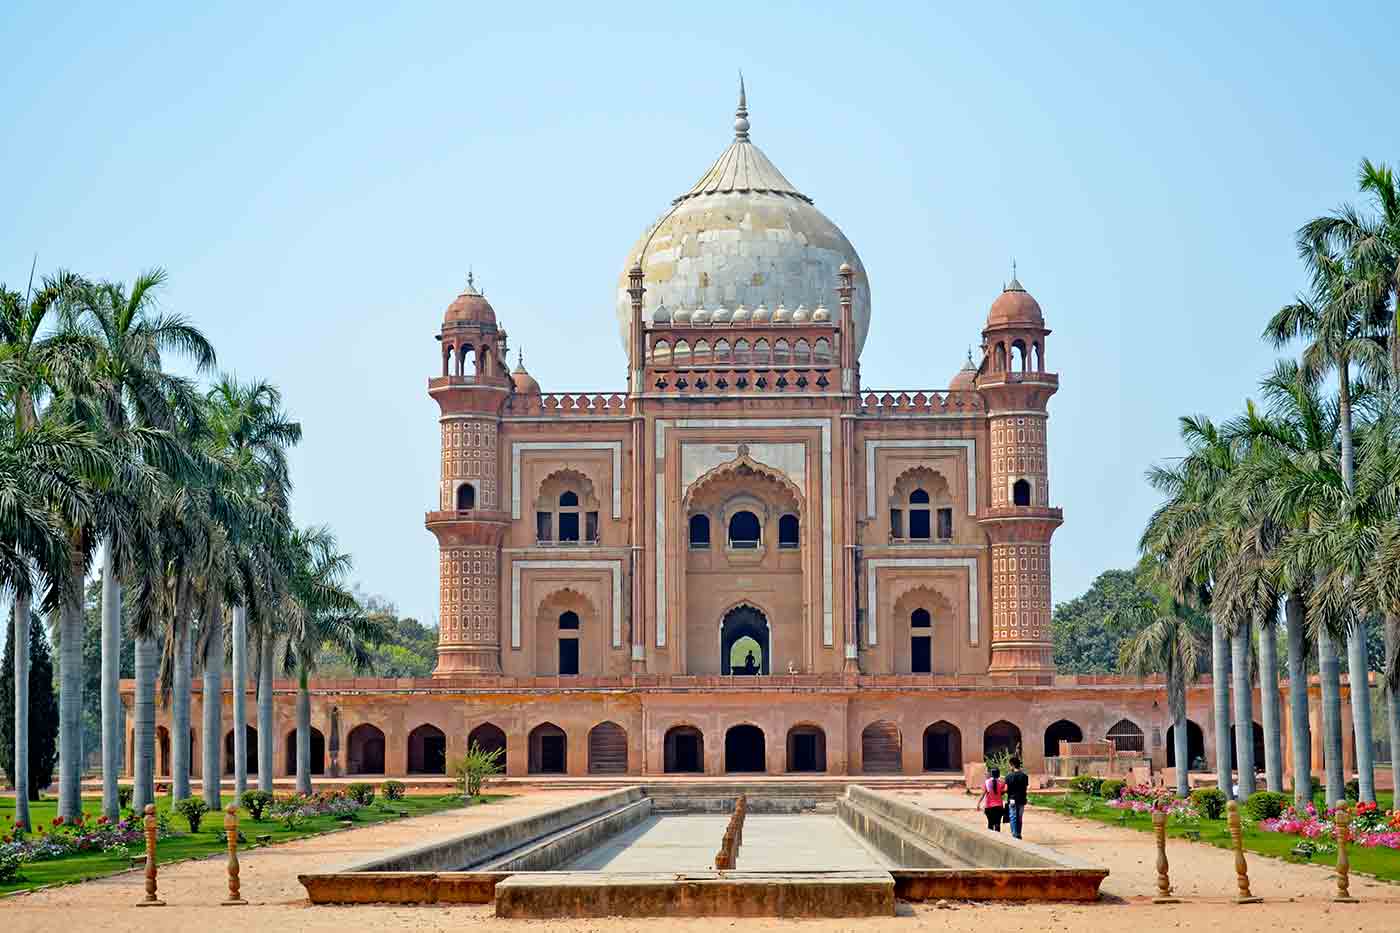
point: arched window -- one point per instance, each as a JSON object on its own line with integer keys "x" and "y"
{"x": 568, "y": 643}
{"x": 700, "y": 532}
{"x": 744, "y": 530}
{"x": 741, "y": 351}
{"x": 788, "y": 529}
{"x": 921, "y": 642}
{"x": 702, "y": 352}
{"x": 661, "y": 353}
{"x": 565, "y": 521}
{"x": 1021, "y": 492}
{"x": 762, "y": 356}
{"x": 1126, "y": 736}
{"x": 1036, "y": 359}
{"x": 822, "y": 351}
{"x": 1001, "y": 358}
{"x": 1020, "y": 358}
{"x": 782, "y": 356}
{"x": 466, "y": 497}
{"x": 919, "y": 515}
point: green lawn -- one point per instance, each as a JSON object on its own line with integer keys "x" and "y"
{"x": 208, "y": 841}
{"x": 1382, "y": 862}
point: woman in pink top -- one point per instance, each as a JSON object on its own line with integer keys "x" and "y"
{"x": 994, "y": 793}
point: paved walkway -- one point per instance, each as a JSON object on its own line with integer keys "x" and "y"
{"x": 1296, "y": 895}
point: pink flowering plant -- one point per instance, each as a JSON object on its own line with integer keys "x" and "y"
{"x": 82, "y": 834}
{"x": 1370, "y": 828}
{"x": 1144, "y": 798}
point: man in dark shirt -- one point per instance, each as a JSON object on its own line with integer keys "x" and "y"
{"x": 1017, "y": 783}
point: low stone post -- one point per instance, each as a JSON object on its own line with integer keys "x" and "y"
{"x": 1164, "y": 885}
{"x": 235, "y": 899}
{"x": 1341, "y": 820}
{"x": 151, "y": 900}
{"x": 1241, "y": 868}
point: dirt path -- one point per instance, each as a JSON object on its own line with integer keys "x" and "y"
{"x": 1296, "y": 895}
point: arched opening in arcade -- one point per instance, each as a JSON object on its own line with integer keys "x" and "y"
{"x": 607, "y": 749}
{"x": 163, "y": 753}
{"x": 364, "y": 750}
{"x": 488, "y": 737}
{"x": 549, "y": 750}
{"x": 1001, "y": 737}
{"x": 1257, "y": 745}
{"x": 743, "y": 641}
{"x": 683, "y": 750}
{"x": 806, "y": 749}
{"x": 745, "y": 750}
{"x": 427, "y": 750}
{"x": 318, "y": 752}
{"x": 881, "y": 748}
{"x": 1195, "y": 745}
{"x": 252, "y": 750}
{"x": 1127, "y": 736}
{"x": 1061, "y": 731}
{"x": 942, "y": 747}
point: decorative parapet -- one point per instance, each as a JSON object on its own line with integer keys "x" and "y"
{"x": 921, "y": 402}
{"x": 818, "y": 380}
{"x": 569, "y": 403}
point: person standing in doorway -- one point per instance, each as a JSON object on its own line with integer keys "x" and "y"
{"x": 1017, "y": 783}
{"x": 993, "y": 790}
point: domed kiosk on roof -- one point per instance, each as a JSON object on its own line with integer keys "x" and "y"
{"x": 743, "y": 235}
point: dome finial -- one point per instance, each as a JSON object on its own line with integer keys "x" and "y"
{"x": 1015, "y": 284}
{"x": 741, "y": 114}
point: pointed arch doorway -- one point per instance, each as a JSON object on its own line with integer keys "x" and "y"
{"x": 743, "y": 641}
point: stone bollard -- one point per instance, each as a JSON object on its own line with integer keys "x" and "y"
{"x": 151, "y": 900}
{"x": 1241, "y": 868}
{"x": 235, "y": 899}
{"x": 1341, "y": 821}
{"x": 1164, "y": 885}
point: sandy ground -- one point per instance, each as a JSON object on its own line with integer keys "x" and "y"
{"x": 1296, "y": 896}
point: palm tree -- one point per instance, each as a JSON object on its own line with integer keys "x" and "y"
{"x": 317, "y": 611}
{"x": 1178, "y": 537}
{"x": 1167, "y": 643}
{"x": 137, "y": 405}
{"x": 1344, "y": 328}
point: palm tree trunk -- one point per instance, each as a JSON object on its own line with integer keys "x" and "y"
{"x": 1269, "y": 706}
{"x": 70, "y": 698}
{"x": 1359, "y": 682}
{"x": 24, "y": 792}
{"x": 1220, "y": 687}
{"x": 1330, "y": 675}
{"x": 180, "y": 708}
{"x": 239, "y": 680}
{"x": 1300, "y": 729}
{"x": 266, "y": 654}
{"x": 1392, "y": 701}
{"x": 1179, "y": 736}
{"x": 1240, "y": 644}
{"x": 213, "y": 705}
{"x": 111, "y": 683}
{"x": 303, "y": 734}
{"x": 144, "y": 782}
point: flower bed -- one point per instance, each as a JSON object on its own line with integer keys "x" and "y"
{"x": 83, "y": 834}
{"x": 1144, "y": 798}
{"x": 297, "y": 808}
{"x": 1371, "y": 827}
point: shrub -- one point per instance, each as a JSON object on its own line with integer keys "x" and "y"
{"x": 361, "y": 793}
{"x": 1112, "y": 788}
{"x": 1353, "y": 790}
{"x": 392, "y": 790}
{"x": 1265, "y": 805}
{"x": 1209, "y": 802}
{"x": 124, "y": 798}
{"x": 255, "y": 802}
{"x": 1087, "y": 784}
{"x": 193, "y": 810}
{"x": 474, "y": 767}
{"x": 9, "y": 866}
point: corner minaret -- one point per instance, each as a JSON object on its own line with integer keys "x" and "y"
{"x": 1019, "y": 520}
{"x": 469, "y": 521}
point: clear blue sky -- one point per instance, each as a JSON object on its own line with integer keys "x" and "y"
{"x": 318, "y": 181}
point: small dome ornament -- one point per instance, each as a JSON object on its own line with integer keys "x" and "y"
{"x": 524, "y": 383}
{"x": 662, "y": 315}
{"x": 801, "y": 315}
{"x": 821, "y": 315}
{"x": 681, "y": 316}
{"x": 761, "y": 315}
{"x": 720, "y": 315}
{"x": 701, "y": 316}
{"x": 782, "y": 315}
{"x": 742, "y": 315}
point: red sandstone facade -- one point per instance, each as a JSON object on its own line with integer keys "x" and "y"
{"x": 745, "y": 560}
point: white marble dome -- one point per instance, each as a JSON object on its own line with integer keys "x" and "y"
{"x": 743, "y": 235}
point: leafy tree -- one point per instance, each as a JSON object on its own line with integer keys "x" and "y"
{"x": 408, "y": 648}
{"x": 43, "y": 711}
{"x": 1089, "y": 630}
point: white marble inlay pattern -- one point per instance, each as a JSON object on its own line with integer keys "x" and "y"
{"x": 968, "y": 444}
{"x": 970, "y": 563}
{"x": 829, "y": 566}
{"x": 517, "y": 446}
{"x": 614, "y": 565}
{"x": 699, "y": 459}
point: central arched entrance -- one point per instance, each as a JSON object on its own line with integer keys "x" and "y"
{"x": 744, "y": 750}
{"x": 743, "y": 641}
{"x": 683, "y": 750}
